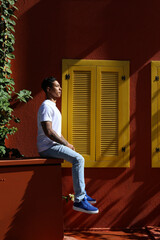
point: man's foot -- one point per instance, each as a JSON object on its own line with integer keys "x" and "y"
{"x": 89, "y": 199}
{"x": 85, "y": 206}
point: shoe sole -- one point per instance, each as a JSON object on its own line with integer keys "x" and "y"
{"x": 85, "y": 211}
{"x": 92, "y": 202}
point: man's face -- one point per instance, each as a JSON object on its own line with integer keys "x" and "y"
{"x": 55, "y": 91}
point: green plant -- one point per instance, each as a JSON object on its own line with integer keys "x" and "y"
{"x": 69, "y": 197}
{"x": 7, "y": 90}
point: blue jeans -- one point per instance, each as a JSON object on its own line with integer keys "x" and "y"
{"x": 63, "y": 152}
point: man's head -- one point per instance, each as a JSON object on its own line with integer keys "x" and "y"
{"x": 52, "y": 88}
{"x": 47, "y": 82}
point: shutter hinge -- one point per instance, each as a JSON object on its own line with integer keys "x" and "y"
{"x": 156, "y": 78}
{"x": 123, "y": 78}
{"x": 157, "y": 149}
{"x": 123, "y": 149}
{"x": 67, "y": 76}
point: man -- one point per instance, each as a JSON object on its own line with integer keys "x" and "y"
{"x": 51, "y": 143}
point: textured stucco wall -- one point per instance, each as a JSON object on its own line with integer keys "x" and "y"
{"x": 48, "y": 31}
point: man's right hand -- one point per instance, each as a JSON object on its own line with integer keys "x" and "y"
{"x": 70, "y": 146}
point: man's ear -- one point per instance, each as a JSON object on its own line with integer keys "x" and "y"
{"x": 48, "y": 89}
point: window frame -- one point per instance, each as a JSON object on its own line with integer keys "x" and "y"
{"x": 124, "y": 65}
{"x": 155, "y": 113}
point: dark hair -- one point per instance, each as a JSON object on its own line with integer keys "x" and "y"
{"x": 47, "y": 82}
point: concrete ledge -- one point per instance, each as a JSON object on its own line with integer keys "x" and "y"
{"x": 31, "y": 199}
{"x": 30, "y": 161}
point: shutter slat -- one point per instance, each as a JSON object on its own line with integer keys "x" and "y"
{"x": 109, "y": 113}
{"x": 81, "y": 111}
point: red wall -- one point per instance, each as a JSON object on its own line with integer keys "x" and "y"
{"x": 48, "y": 31}
{"x": 29, "y": 212}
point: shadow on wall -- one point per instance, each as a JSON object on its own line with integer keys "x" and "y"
{"x": 37, "y": 44}
{"x": 126, "y": 197}
{"x": 30, "y": 203}
{"x": 52, "y": 30}
{"x": 119, "y": 30}
{"x": 110, "y": 234}
{"x": 143, "y": 124}
{"x": 121, "y": 201}
{"x": 49, "y": 30}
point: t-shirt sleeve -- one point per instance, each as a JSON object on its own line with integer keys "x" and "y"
{"x": 45, "y": 113}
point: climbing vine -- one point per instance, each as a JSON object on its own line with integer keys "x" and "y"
{"x": 7, "y": 90}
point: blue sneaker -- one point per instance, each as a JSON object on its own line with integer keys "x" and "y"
{"x": 89, "y": 199}
{"x": 85, "y": 206}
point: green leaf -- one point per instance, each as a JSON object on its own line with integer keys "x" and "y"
{"x": 2, "y": 151}
{"x": 24, "y": 95}
{"x": 11, "y": 2}
{"x": 17, "y": 120}
{"x": 10, "y": 35}
{"x": 15, "y": 8}
{"x": 8, "y": 65}
{"x": 8, "y": 70}
{"x": 7, "y": 40}
{"x": 10, "y": 11}
{"x": 11, "y": 21}
{"x": 14, "y": 15}
{"x": 4, "y": 17}
{"x": 10, "y": 55}
{"x": 7, "y": 82}
{"x": 9, "y": 26}
{"x": 6, "y": 12}
{"x": 8, "y": 44}
{"x": 5, "y": 6}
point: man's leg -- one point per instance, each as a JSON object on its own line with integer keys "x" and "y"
{"x": 61, "y": 151}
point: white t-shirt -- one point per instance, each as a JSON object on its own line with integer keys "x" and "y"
{"x": 47, "y": 112}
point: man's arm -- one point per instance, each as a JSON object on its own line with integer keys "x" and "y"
{"x": 69, "y": 145}
{"x": 50, "y": 133}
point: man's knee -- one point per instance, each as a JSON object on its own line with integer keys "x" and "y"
{"x": 79, "y": 159}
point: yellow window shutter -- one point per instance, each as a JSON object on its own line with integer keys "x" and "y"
{"x": 155, "y": 112}
{"x": 81, "y": 110}
{"x": 95, "y": 110}
{"x": 112, "y": 128}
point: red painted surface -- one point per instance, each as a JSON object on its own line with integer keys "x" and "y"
{"x": 31, "y": 200}
{"x": 109, "y": 235}
{"x": 48, "y": 31}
